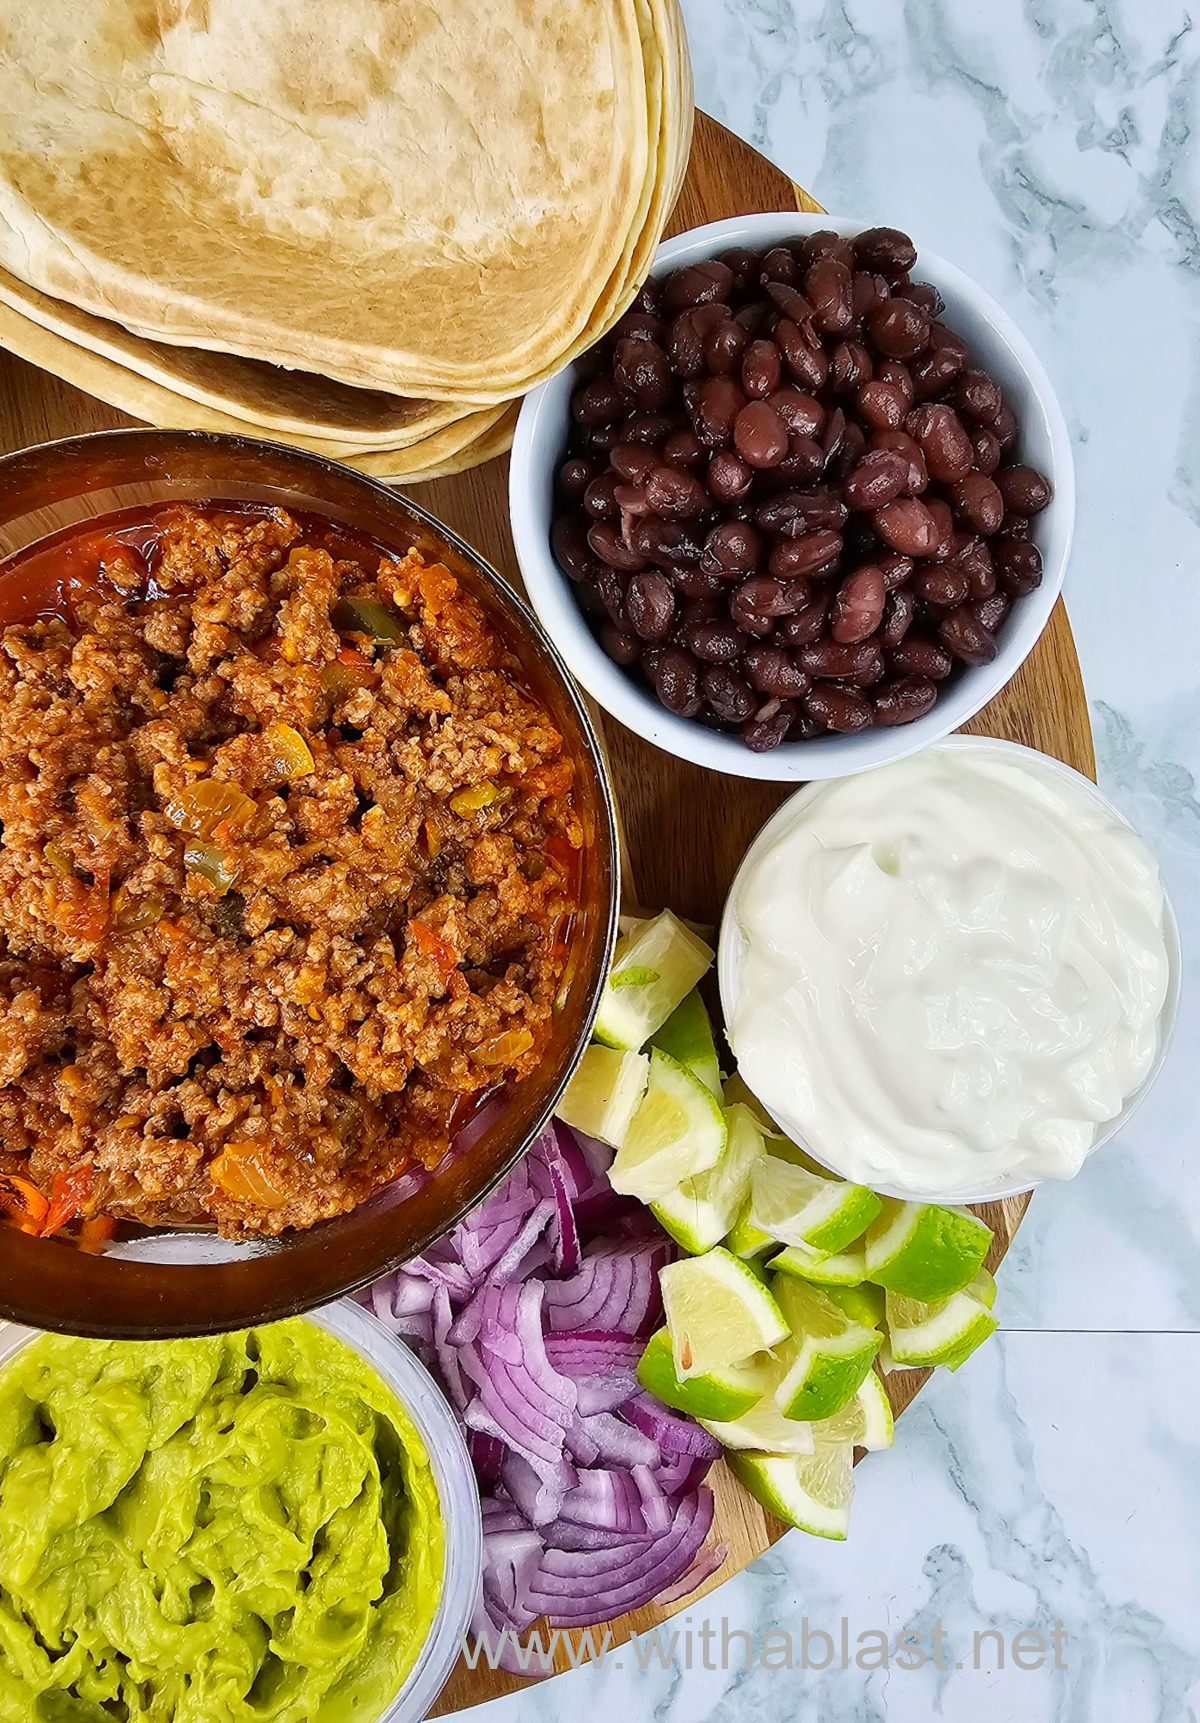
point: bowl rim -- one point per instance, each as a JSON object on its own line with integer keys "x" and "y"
{"x": 530, "y": 510}
{"x": 729, "y": 962}
{"x": 22, "y": 1307}
{"x": 454, "y": 1478}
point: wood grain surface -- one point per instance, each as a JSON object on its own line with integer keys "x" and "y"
{"x": 685, "y": 829}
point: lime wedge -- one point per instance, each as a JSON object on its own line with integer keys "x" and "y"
{"x": 736, "y": 1093}
{"x": 921, "y": 1335}
{"x": 777, "y": 1144}
{"x": 677, "y": 1131}
{"x": 723, "y": 1393}
{"x": 811, "y": 1492}
{"x": 701, "y": 1210}
{"x": 797, "y": 1207}
{"x": 863, "y": 1303}
{"x": 844, "y": 1268}
{"x": 828, "y": 1355}
{"x": 865, "y": 1421}
{"x": 839, "y": 1278}
{"x": 718, "y": 1313}
{"x": 747, "y": 1240}
{"x": 605, "y": 1093}
{"x": 784, "y": 1149}
{"x": 687, "y": 1036}
{"x": 923, "y": 1251}
{"x": 676, "y": 959}
{"x": 763, "y": 1428}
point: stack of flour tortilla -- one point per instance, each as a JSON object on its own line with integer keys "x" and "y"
{"x": 366, "y": 227}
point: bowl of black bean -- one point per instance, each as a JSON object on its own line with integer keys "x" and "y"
{"x": 807, "y": 507}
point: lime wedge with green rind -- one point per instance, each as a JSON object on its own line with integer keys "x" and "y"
{"x": 828, "y": 1355}
{"x": 843, "y": 1268}
{"x": 924, "y": 1251}
{"x": 688, "y": 1037}
{"x": 763, "y": 1429}
{"x": 664, "y": 948}
{"x": 677, "y": 1131}
{"x": 718, "y": 1313}
{"x": 809, "y": 1491}
{"x": 724, "y": 1393}
{"x": 745, "y": 1239}
{"x": 922, "y": 1335}
{"x": 865, "y": 1420}
{"x": 799, "y": 1207}
{"x": 605, "y": 1093}
{"x": 701, "y": 1210}
{"x": 863, "y": 1303}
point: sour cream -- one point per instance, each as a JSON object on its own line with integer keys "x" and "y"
{"x": 945, "y": 976}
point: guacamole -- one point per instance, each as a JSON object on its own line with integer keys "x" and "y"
{"x": 242, "y": 1529}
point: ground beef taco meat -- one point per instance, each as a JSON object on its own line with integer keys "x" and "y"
{"x": 287, "y": 866}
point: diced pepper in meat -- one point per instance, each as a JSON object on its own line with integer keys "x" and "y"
{"x": 70, "y": 1193}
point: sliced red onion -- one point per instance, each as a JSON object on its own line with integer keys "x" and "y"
{"x": 677, "y": 1474}
{"x": 453, "y": 1276}
{"x": 567, "y": 1232}
{"x": 615, "y": 1288}
{"x": 540, "y": 1494}
{"x": 450, "y": 1360}
{"x": 511, "y": 1561}
{"x": 512, "y": 1257}
{"x": 606, "y": 1499}
{"x": 566, "y": 1535}
{"x": 598, "y": 1155}
{"x": 616, "y": 1442}
{"x": 658, "y": 1510}
{"x": 500, "y": 1515}
{"x": 706, "y": 1563}
{"x": 673, "y": 1433}
{"x": 603, "y": 1366}
{"x": 487, "y": 1454}
{"x": 579, "y": 1588}
{"x": 582, "y": 1178}
{"x": 533, "y": 1311}
{"x": 401, "y": 1294}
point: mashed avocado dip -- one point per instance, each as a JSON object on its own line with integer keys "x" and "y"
{"x": 227, "y": 1530}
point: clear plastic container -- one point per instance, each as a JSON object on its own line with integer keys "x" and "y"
{"x": 731, "y": 950}
{"x": 453, "y": 1474}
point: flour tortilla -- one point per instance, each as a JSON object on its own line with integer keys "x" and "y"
{"x": 496, "y": 441}
{"x": 132, "y": 394}
{"x": 296, "y": 403}
{"x": 419, "y": 198}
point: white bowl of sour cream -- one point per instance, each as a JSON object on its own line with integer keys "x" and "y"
{"x": 952, "y": 977}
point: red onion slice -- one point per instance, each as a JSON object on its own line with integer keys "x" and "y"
{"x": 532, "y": 1312}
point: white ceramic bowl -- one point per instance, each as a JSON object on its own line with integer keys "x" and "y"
{"x": 996, "y": 344}
{"x": 731, "y": 949}
{"x": 458, "y": 1492}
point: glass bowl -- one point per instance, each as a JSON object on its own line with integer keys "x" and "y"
{"x": 187, "y": 1282}
{"x": 453, "y": 1474}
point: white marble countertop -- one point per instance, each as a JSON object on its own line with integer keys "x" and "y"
{"x": 1048, "y": 147}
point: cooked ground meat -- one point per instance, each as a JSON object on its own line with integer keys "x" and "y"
{"x": 287, "y": 867}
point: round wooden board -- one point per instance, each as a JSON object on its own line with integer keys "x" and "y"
{"x": 1043, "y": 706}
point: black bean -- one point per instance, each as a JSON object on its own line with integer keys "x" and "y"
{"x": 650, "y": 605}
{"x": 728, "y": 694}
{"x": 677, "y": 681}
